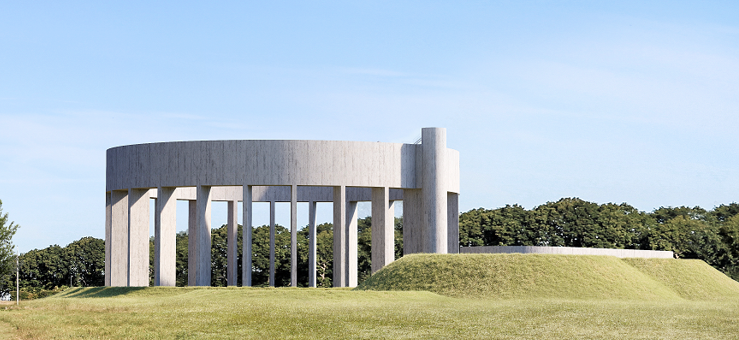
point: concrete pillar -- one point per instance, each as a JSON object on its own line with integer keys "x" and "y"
{"x": 233, "y": 249}
{"x": 192, "y": 222}
{"x": 294, "y": 236}
{"x": 339, "y": 271}
{"x": 383, "y": 229}
{"x": 119, "y": 238}
{"x": 198, "y": 264}
{"x": 312, "y": 244}
{"x": 138, "y": 237}
{"x": 246, "y": 257}
{"x": 165, "y": 239}
{"x": 434, "y": 190}
{"x": 413, "y": 224}
{"x": 108, "y": 240}
{"x": 452, "y": 219}
{"x": 272, "y": 243}
{"x": 352, "y": 258}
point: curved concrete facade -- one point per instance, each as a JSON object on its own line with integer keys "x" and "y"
{"x": 282, "y": 163}
{"x": 424, "y": 176}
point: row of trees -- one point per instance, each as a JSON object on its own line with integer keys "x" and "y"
{"x": 712, "y": 236}
{"x": 260, "y": 256}
{"x": 82, "y": 263}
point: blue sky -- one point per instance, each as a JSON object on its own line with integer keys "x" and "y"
{"x": 629, "y": 102}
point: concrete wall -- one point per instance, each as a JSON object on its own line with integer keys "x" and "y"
{"x": 567, "y": 251}
{"x": 272, "y": 162}
{"x": 279, "y": 194}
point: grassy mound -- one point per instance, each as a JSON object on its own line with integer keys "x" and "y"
{"x": 536, "y": 276}
{"x": 691, "y": 279}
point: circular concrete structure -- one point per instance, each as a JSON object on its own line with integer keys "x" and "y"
{"x": 425, "y": 176}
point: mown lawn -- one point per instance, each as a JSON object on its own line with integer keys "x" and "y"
{"x": 207, "y": 313}
{"x": 578, "y": 277}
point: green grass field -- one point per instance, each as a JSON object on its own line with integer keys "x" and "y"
{"x": 674, "y": 310}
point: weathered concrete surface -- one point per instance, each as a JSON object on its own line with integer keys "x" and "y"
{"x": 340, "y": 246}
{"x": 165, "y": 239}
{"x": 272, "y": 244}
{"x": 312, "y": 244}
{"x": 452, "y": 220}
{"x": 567, "y": 251}
{"x": 199, "y": 242}
{"x": 232, "y": 245}
{"x": 108, "y": 236}
{"x": 434, "y": 190}
{"x": 413, "y": 222}
{"x": 383, "y": 229}
{"x": 119, "y": 239}
{"x": 425, "y": 177}
{"x": 294, "y": 236}
{"x": 280, "y": 193}
{"x": 269, "y": 162}
{"x": 352, "y": 257}
{"x": 247, "y": 237}
{"x": 138, "y": 238}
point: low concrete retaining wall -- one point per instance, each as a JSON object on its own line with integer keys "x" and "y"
{"x": 567, "y": 251}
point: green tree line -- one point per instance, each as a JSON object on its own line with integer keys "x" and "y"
{"x": 82, "y": 262}
{"x": 43, "y": 271}
{"x": 709, "y": 235}
{"x": 260, "y": 255}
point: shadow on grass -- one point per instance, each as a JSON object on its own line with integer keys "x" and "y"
{"x": 101, "y": 292}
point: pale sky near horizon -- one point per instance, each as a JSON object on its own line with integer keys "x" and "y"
{"x": 632, "y": 102}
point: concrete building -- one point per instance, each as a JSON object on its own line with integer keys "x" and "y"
{"x": 424, "y": 176}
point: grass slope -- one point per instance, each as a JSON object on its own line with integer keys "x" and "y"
{"x": 691, "y": 279}
{"x": 503, "y": 297}
{"x": 536, "y": 276}
{"x": 285, "y": 313}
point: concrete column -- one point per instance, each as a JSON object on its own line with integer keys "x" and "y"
{"x": 192, "y": 234}
{"x": 352, "y": 258}
{"x": 434, "y": 190}
{"x": 233, "y": 249}
{"x": 119, "y": 238}
{"x": 138, "y": 237}
{"x": 198, "y": 263}
{"x": 165, "y": 239}
{"x": 383, "y": 229}
{"x": 413, "y": 224}
{"x": 272, "y": 243}
{"x": 108, "y": 240}
{"x": 312, "y": 244}
{"x": 246, "y": 258}
{"x": 452, "y": 219}
{"x": 340, "y": 253}
{"x": 294, "y": 236}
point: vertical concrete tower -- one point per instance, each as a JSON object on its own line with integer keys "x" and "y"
{"x": 434, "y": 190}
